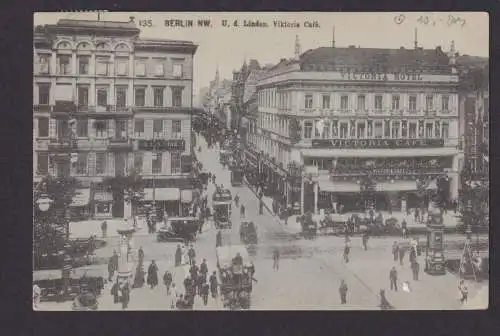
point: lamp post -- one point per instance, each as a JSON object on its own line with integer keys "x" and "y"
{"x": 125, "y": 261}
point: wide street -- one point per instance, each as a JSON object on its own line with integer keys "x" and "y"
{"x": 310, "y": 270}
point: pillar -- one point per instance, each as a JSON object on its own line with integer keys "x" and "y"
{"x": 316, "y": 190}
{"x": 302, "y": 196}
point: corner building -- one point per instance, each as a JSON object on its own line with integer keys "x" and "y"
{"x": 336, "y": 119}
{"x": 107, "y": 102}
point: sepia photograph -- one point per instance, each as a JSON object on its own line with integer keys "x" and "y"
{"x": 260, "y": 161}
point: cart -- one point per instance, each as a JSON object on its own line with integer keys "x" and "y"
{"x": 248, "y": 233}
{"x": 222, "y": 201}
{"x": 179, "y": 229}
{"x": 333, "y": 224}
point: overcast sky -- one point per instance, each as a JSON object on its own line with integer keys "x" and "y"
{"x": 230, "y": 46}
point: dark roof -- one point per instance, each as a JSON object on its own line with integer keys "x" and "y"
{"x": 96, "y": 24}
{"x": 383, "y": 60}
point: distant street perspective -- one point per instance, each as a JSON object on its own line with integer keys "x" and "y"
{"x": 322, "y": 181}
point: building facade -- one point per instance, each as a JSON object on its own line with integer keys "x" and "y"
{"x": 107, "y": 103}
{"x": 334, "y": 122}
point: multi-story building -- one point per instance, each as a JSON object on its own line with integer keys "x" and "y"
{"x": 106, "y": 103}
{"x": 336, "y": 121}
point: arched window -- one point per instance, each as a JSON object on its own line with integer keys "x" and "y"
{"x": 64, "y": 45}
{"x": 102, "y": 46}
{"x": 83, "y": 46}
{"x": 122, "y": 47}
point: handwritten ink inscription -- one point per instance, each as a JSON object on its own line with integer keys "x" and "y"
{"x": 431, "y": 20}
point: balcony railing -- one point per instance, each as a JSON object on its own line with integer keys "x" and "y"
{"x": 386, "y": 171}
{"x": 430, "y": 113}
{"x": 162, "y": 109}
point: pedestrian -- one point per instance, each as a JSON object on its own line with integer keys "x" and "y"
{"x": 384, "y": 304}
{"x": 276, "y": 259}
{"x": 242, "y": 211}
{"x": 167, "y": 280}
{"x": 200, "y": 280}
{"x": 152, "y": 274}
{"x": 415, "y": 268}
{"x": 347, "y": 249}
{"x": 191, "y": 255}
{"x": 104, "y": 229}
{"x": 204, "y": 292}
{"x": 464, "y": 291}
{"x": 111, "y": 269}
{"x": 178, "y": 255}
{"x": 218, "y": 239}
{"x": 213, "y": 284}
{"x": 404, "y": 228}
{"x": 37, "y": 294}
{"x": 236, "y": 200}
{"x": 365, "y": 241}
{"x": 173, "y": 296}
{"x": 193, "y": 271}
{"x": 393, "y": 277}
{"x": 401, "y": 255}
{"x": 413, "y": 255}
{"x": 115, "y": 292}
{"x": 261, "y": 207}
{"x": 343, "y": 292}
{"x": 139, "y": 276}
{"x": 125, "y": 297}
{"x": 395, "y": 250}
{"x": 204, "y": 267}
{"x": 140, "y": 254}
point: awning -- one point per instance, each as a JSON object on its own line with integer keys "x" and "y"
{"x": 396, "y": 186}
{"x": 162, "y": 194}
{"x": 81, "y": 198}
{"x": 330, "y": 186}
{"x": 103, "y": 196}
{"x": 377, "y": 152}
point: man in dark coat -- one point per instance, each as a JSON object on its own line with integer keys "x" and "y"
{"x": 204, "y": 292}
{"x": 167, "y": 280}
{"x": 178, "y": 255}
{"x": 114, "y": 292}
{"x": 413, "y": 255}
{"x": 242, "y": 211}
{"x": 152, "y": 275}
{"x": 395, "y": 251}
{"x": 384, "y": 304}
{"x": 193, "y": 271}
{"x": 261, "y": 207}
{"x": 140, "y": 254}
{"x": 401, "y": 255}
{"x": 415, "y": 268}
{"x": 393, "y": 278}
{"x": 111, "y": 269}
{"x": 125, "y": 296}
{"x": 204, "y": 267}
{"x": 404, "y": 228}
{"x": 191, "y": 255}
{"x": 139, "y": 277}
{"x": 343, "y": 292}
{"x": 213, "y": 284}
{"x": 218, "y": 239}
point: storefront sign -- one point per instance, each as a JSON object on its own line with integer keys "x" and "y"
{"x": 377, "y": 143}
{"x": 377, "y": 76}
{"x": 163, "y": 145}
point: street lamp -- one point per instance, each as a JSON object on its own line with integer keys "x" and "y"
{"x": 44, "y": 202}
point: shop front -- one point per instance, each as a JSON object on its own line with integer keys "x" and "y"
{"x": 166, "y": 200}
{"x": 252, "y": 167}
{"x": 80, "y": 205}
{"x": 103, "y": 204}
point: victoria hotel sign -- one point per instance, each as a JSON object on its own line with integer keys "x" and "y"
{"x": 378, "y": 76}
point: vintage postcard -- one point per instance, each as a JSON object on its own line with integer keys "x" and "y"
{"x": 260, "y": 161}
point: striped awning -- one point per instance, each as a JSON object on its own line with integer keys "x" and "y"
{"x": 81, "y": 198}
{"x": 162, "y": 194}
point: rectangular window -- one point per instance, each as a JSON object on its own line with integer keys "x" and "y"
{"x": 445, "y": 104}
{"x": 102, "y": 97}
{"x": 177, "y": 129}
{"x": 62, "y": 128}
{"x": 175, "y": 162}
{"x": 156, "y": 162}
{"x": 157, "y": 128}
{"x": 378, "y": 102}
{"x": 140, "y": 96}
{"x": 369, "y": 129}
{"x": 43, "y": 127}
{"x": 395, "y": 102}
{"x": 352, "y": 129}
{"x": 42, "y": 162}
{"x": 343, "y": 130}
{"x": 121, "y": 66}
{"x": 395, "y": 129}
{"x": 428, "y": 130}
{"x": 445, "y": 130}
{"x": 81, "y": 164}
{"x": 43, "y": 94}
{"x": 121, "y": 129}
{"x": 361, "y": 130}
{"x": 404, "y": 129}
{"x": 308, "y": 103}
{"x": 101, "y": 129}
{"x": 428, "y": 103}
{"x": 361, "y": 102}
{"x": 437, "y": 129}
{"x": 158, "y": 96}
{"x": 387, "y": 129}
{"x": 83, "y": 65}
{"x": 420, "y": 128}
{"x": 139, "y": 128}
{"x": 177, "y": 70}
{"x": 308, "y": 129}
{"x": 102, "y": 64}
{"x": 44, "y": 64}
{"x": 159, "y": 71}
{"x": 326, "y": 101}
{"x": 140, "y": 68}
{"x": 121, "y": 96}
{"x": 413, "y": 103}
{"x": 82, "y": 128}
{"x": 344, "y": 102}
{"x": 413, "y": 130}
{"x": 378, "y": 130}
{"x": 100, "y": 163}
{"x": 176, "y": 96}
{"x": 83, "y": 96}
{"x": 138, "y": 159}
{"x": 64, "y": 64}
{"x": 335, "y": 128}
{"x": 326, "y": 130}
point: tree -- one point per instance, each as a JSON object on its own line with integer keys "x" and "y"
{"x": 129, "y": 188}
{"x": 51, "y": 227}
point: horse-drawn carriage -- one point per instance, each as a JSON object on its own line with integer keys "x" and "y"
{"x": 333, "y": 224}
{"x": 179, "y": 229}
{"x": 222, "y": 201}
{"x": 235, "y": 276}
{"x": 248, "y": 233}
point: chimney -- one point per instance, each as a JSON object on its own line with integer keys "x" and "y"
{"x": 297, "y": 48}
{"x": 333, "y": 37}
{"x": 416, "y": 40}
{"x": 453, "y": 57}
